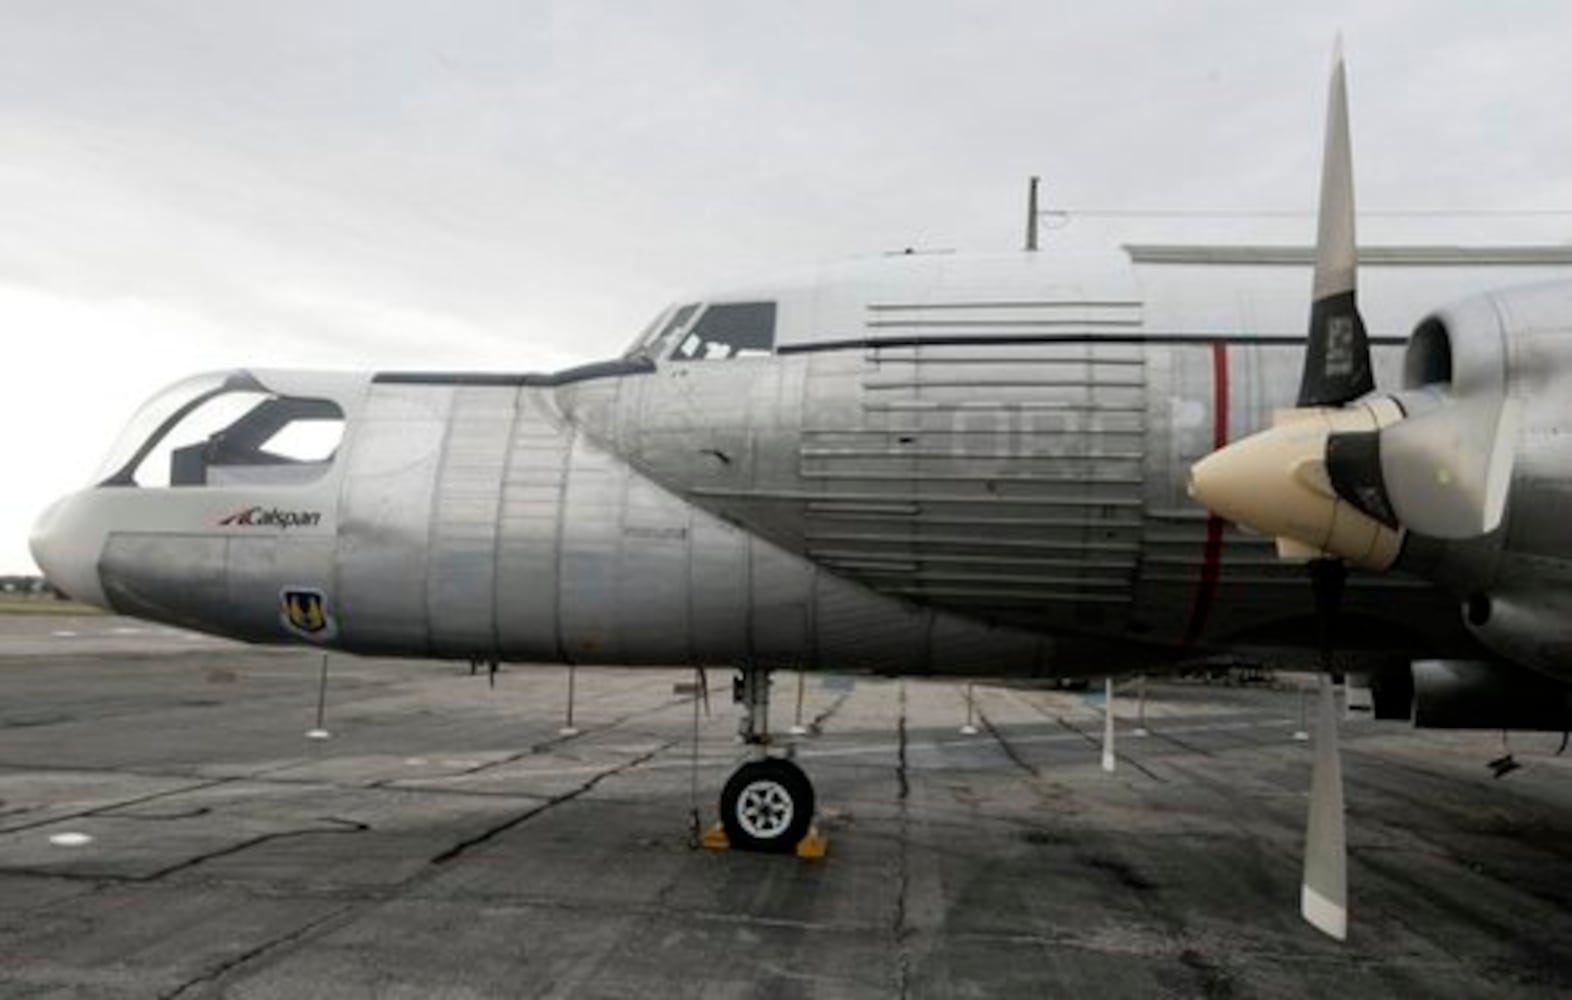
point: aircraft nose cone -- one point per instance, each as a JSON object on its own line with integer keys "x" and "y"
{"x": 66, "y": 554}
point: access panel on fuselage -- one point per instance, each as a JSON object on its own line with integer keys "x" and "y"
{"x": 385, "y": 511}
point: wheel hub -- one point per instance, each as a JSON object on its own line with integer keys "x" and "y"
{"x": 765, "y": 809}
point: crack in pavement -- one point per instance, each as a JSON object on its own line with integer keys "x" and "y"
{"x": 500, "y": 828}
{"x": 104, "y": 878}
{"x": 111, "y": 806}
{"x": 169, "y": 816}
{"x": 266, "y": 777}
{"x": 1095, "y": 741}
{"x": 341, "y": 826}
{"x": 561, "y": 738}
{"x": 272, "y": 944}
{"x": 24, "y": 723}
{"x": 1184, "y": 745}
{"x": 417, "y": 786}
{"x": 1006, "y": 745}
{"x": 816, "y": 724}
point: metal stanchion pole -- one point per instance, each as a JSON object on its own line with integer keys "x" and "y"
{"x": 798, "y": 729}
{"x": 1109, "y": 761}
{"x": 319, "y": 732}
{"x": 1302, "y": 734}
{"x": 1140, "y": 710}
{"x": 970, "y": 728}
{"x": 568, "y": 728}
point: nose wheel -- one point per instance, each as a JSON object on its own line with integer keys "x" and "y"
{"x": 767, "y": 805}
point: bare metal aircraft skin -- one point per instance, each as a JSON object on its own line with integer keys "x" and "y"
{"x": 989, "y": 466}
{"x": 952, "y": 465}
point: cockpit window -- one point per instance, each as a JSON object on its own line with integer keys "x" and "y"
{"x": 730, "y": 330}
{"x": 165, "y": 408}
{"x": 679, "y": 321}
{"x": 641, "y": 343}
{"x": 221, "y": 431}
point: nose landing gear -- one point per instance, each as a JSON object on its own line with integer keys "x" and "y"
{"x": 768, "y": 803}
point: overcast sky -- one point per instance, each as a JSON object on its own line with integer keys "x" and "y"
{"x": 515, "y": 185}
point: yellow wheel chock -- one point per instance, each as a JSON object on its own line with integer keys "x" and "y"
{"x": 813, "y": 845}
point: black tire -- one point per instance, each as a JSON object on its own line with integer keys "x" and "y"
{"x": 767, "y": 805}
{"x": 1392, "y": 693}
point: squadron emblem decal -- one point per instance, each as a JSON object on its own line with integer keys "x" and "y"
{"x": 304, "y": 611}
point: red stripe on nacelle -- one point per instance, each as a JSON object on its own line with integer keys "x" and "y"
{"x": 1212, "y": 554}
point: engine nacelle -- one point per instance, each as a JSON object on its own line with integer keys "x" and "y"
{"x": 1516, "y": 343}
{"x": 1516, "y": 582}
{"x": 1475, "y": 694}
{"x": 1514, "y": 340}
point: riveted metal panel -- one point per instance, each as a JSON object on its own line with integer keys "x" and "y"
{"x": 394, "y": 452}
{"x": 214, "y": 583}
{"x": 718, "y": 590}
{"x": 464, "y": 531}
{"x": 529, "y": 527}
{"x": 985, "y": 478}
{"x": 252, "y": 584}
{"x": 964, "y": 646}
{"x": 653, "y": 547}
{"x": 588, "y": 616}
{"x": 694, "y": 421}
{"x": 174, "y": 578}
{"x": 780, "y": 612}
{"x": 857, "y": 629}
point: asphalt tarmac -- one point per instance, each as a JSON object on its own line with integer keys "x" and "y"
{"x": 167, "y": 830}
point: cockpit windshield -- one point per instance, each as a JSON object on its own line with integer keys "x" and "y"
{"x": 652, "y": 343}
{"x": 696, "y": 332}
{"x": 729, "y": 330}
{"x": 641, "y": 344}
{"x": 225, "y": 429}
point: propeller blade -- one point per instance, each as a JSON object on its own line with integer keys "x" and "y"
{"x": 1323, "y": 895}
{"x": 1447, "y": 471}
{"x": 1336, "y": 372}
{"x": 1337, "y": 355}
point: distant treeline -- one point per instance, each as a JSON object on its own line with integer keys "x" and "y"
{"x": 34, "y": 585}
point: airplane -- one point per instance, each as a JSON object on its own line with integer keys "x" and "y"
{"x": 977, "y": 466}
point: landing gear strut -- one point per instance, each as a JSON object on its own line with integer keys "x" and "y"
{"x": 751, "y": 689}
{"x": 767, "y": 804}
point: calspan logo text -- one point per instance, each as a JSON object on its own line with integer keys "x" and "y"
{"x": 271, "y": 517}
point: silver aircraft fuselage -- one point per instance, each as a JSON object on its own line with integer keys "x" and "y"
{"x": 916, "y": 467}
